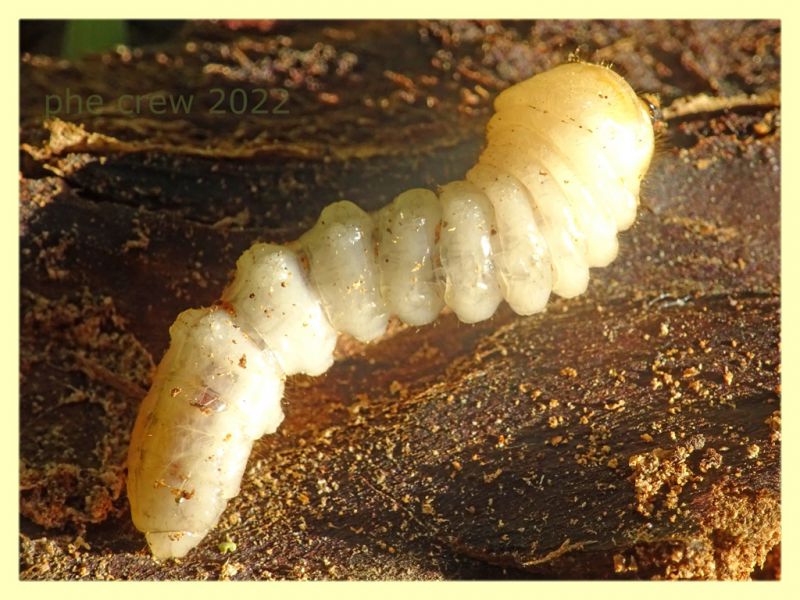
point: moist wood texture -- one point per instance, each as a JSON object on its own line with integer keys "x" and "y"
{"x": 633, "y": 432}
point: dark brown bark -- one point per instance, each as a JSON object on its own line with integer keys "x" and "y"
{"x": 633, "y": 432}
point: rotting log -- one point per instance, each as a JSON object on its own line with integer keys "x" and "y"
{"x": 633, "y": 432}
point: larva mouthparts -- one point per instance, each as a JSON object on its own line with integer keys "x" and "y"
{"x": 559, "y": 176}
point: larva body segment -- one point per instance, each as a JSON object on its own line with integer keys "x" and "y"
{"x": 567, "y": 243}
{"x": 560, "y": 174}
{"x": 521, "y": 254}
{"x": 465, "y": 250}
{"x": 593, "y": 115}
{"x": 214, "y": 393}
{"x": 277, "y": 306}
{"x": 343, "y": 268}
{"x": 406, "y": 236}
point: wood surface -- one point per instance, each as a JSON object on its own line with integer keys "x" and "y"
{"x": 633, "y": 432}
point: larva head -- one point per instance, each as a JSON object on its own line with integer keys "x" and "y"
{"x": 588, "y": 109}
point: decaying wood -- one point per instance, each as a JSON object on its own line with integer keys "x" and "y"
{"x": 633, "y": 432}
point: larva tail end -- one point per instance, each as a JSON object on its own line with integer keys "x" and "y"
{"x": 173, "y": 544}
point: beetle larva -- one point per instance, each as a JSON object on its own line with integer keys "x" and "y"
{"x": 559, "y": 176}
